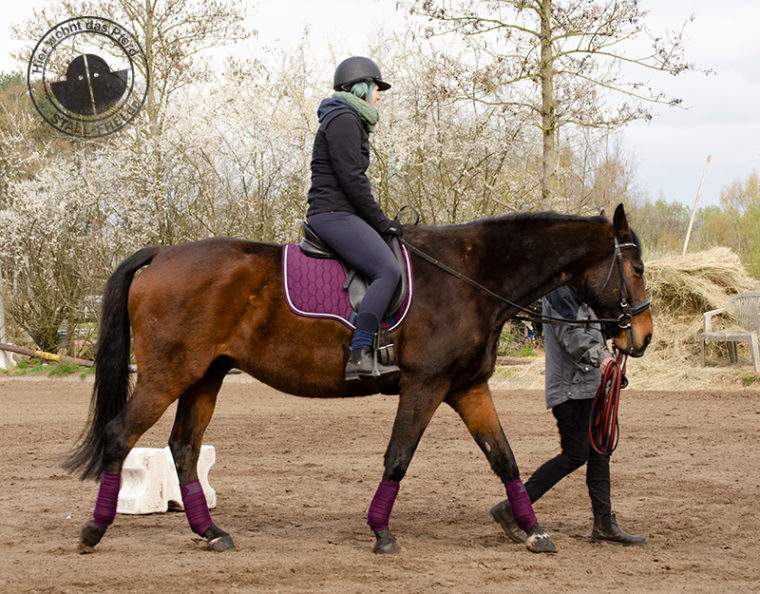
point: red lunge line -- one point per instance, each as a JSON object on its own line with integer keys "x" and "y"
{"x": 603, "y": 423}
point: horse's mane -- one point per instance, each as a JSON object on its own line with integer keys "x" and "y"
{"x": 527, "y": 218}
{"x": 522, "y": 221}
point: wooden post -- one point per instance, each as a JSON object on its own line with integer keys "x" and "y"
{"x": 696, "y": 202}
{"x": 45, "y": 356}
{"x": 5, "y": 360}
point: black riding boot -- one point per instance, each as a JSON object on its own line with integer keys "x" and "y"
{"x": 362, "y": 363}
{"x": 606, "y": 528}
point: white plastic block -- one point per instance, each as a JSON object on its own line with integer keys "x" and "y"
{"x": 206, "y": 459}
{"x": 143, "y": 482}
{"x": 6, "y": 360}
{"x": 149, "y": 480}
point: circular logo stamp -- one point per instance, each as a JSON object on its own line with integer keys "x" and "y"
{"x": 88, "y": 77}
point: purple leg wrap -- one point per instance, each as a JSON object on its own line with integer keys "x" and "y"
{"x": 382, "y": 504}
{"x": 522, "y": 510}
{"x": 108, "y": 498}
{"x": 196, "y": 508}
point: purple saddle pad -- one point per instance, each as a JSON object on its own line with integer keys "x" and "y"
{"x": 314, "y": 287}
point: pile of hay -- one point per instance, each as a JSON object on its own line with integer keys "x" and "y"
{"x": 685, "y": 286}
{"x": 681, "y": 289}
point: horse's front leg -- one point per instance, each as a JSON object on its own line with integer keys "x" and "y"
{"x": 416, "y": 407}
{"x": 475, "y": 405}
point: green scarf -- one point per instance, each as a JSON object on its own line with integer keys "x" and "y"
{"x": 366, "y": 112}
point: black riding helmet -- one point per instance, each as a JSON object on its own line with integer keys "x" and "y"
{"x": 357, "y": 69}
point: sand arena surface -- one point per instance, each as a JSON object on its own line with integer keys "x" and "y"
{"x": 294, "y": 478}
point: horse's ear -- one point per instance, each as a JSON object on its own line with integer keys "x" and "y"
{"x": 620, "y": 222}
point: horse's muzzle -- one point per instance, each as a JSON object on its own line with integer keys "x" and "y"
{"x": 638, "y": 352}
{"x": 634, "y": 339}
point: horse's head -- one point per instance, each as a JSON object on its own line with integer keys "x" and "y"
{"x": 615, "y": 289}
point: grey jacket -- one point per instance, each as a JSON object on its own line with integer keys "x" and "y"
{"x": 573, "y": 354}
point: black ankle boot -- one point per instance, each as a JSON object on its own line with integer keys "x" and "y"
{"x": 361, "y": 363}
{"x": 606, "y": 528}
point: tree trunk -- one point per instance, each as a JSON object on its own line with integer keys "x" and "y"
{"x": 548, "y": 124}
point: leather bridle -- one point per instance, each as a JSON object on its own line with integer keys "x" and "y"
{"x": 626, "y": 296}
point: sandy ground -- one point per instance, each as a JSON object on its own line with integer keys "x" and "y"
{"x": 294, "y": 478}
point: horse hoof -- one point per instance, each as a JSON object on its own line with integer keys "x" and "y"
{"x": 221, "y": 543}
{"x": 89, "y": 537}
{"x": 84, "y": 549}
{"x": 539, "y": 542}
{"x": 218, "y": 540}
{"x": 386, "y": 543}
{"x": 502, "y": 514}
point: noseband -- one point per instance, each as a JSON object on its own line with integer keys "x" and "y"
{"x": 626, "y": 296}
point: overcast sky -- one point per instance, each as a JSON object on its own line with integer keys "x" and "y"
{"x": 723, "y": 115}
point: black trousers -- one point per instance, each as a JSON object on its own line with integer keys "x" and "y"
{"x": 572, "y": 421}
{"x": 354, "y": 240}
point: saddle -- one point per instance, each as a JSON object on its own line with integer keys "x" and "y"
{"x": 356, "y": 283}
{"x": 318, "y": 284}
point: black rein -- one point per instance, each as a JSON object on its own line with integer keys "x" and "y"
{"x": 623, "y": 321}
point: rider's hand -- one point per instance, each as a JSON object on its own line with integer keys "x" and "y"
{"x": 395, "y": 228}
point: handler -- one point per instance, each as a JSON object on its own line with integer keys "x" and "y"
{"x": 576, "y": 358}
{"x": 342, "y": 210}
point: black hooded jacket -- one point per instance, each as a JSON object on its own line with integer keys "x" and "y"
{"x": 339, "y": 163}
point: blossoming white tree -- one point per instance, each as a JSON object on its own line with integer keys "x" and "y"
{"x": 227, "y": 152}
{"x": 558, "y": 61}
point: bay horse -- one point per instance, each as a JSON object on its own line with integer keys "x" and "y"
{"x": 199, "y": 309}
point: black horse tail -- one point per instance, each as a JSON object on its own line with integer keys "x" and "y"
{"x": 112, "y": 385}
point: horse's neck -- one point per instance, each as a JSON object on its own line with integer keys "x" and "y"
{"x": 520, "y": 258}
{"x": 527, "y": 259}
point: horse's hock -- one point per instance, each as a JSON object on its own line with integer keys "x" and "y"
{"x": 742, "y": 313}
{"x": 149, "y": 482}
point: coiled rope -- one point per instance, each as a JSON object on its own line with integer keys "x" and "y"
{"x": 603, "y": 422}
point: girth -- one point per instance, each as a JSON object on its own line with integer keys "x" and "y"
{"x": 356, "y": 283}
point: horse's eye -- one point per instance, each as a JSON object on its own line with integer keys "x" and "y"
{"x": 639, "y": 269}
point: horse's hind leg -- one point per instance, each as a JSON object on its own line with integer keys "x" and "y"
{"x": 194, "y": 411}
{"x": 475, "y": 406}
{"x": 143, "y": 409}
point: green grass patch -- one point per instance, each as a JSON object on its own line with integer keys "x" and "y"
{"x": 750, "y": 379}
{"x": 38, "y": 367}
{"x": 517, "y": 341}
{"x": 523, "y": 350}
{"x": 504, "y": 372}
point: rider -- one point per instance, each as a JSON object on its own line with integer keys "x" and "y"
{"x": 576, "y": 359}
{"x": 342, "y": 210}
